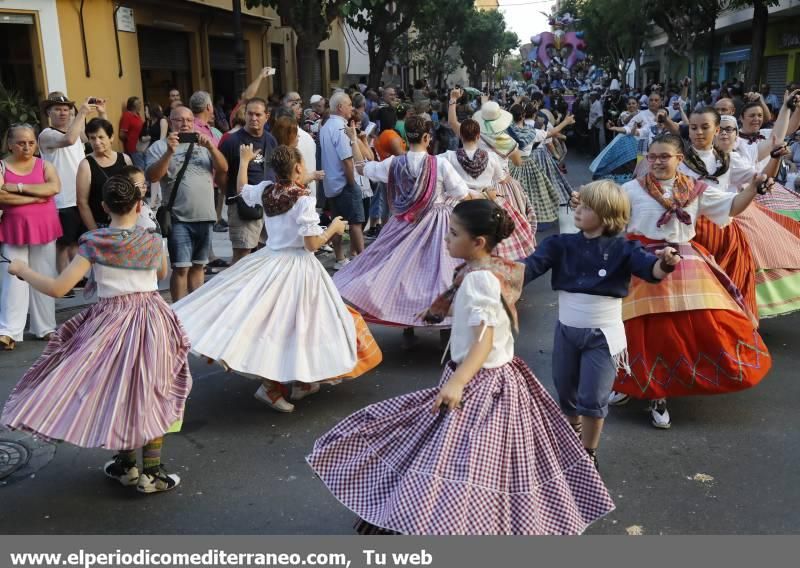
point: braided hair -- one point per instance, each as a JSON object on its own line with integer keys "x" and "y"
{"x": 120, "y": 195}
{"x": 283, "y": 161}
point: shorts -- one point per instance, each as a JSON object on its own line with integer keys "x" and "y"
{"x": 583, "y": 371}
{"x": 243, "y": 234}
{"x": 189, "y": 243}
{"x": 348, "y": 205}
{"x": 71, "y": 226}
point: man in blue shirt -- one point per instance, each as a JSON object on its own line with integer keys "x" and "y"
{"x": 341, "y": 189}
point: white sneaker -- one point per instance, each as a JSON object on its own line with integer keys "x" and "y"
{"x": 326, "y": 248}
{"x": 280, "y": 404}
{"x": 341, "y": 263}
{"x": 302, "y": 390}
{"x": 617, "y": 398}
{"x": 158, "y": 481}
{"x": 659, "y": 415}
{"x": 115, "y": 469}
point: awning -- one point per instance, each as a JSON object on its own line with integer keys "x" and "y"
{"x": 732, "y": 55}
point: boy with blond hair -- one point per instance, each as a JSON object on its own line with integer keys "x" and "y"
{"x": 592, "y": 271}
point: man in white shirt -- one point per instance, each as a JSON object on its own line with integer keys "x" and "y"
{"x": 61, "y": 144}
{"x": 305, "y": 142}
{"x": 646, "y": 121}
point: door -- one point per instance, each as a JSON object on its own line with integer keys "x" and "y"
{"x": 277, "y": 60}
{"x": 165, "y": 63}
{"x": 20, "y": 67}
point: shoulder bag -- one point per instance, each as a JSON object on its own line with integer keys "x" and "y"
{"x": 164, "y": 214}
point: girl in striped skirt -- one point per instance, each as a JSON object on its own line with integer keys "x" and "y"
{"x": 485, "y": 453}
{"x": 116, "y": 375}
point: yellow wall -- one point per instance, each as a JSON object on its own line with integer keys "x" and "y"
{"x": 199, "y": 22}
{"x": 104, "y": 81}
{"x": 774, "y": 34}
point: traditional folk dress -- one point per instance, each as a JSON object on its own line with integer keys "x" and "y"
{"x": 506, "y": 462}
{"x": 408, "y": 265}
{"x": 502, "y": 145}
{"x": 482, "y": 169}
{"x": 692, "y": 333}
{"x": 276, "y": 314}
{"x": 760, "y": 249}
{"x": 548, "y": 166}
{"x": 745, "y": 163}
{"x": 542, "y": 193}
{"x": 116, "y": 375}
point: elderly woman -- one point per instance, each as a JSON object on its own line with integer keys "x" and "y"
{"x": 94, "y": 170}
{"x": 28, "y": 231}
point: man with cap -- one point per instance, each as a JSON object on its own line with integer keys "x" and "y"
{"x": 61, "y": 144}
{"x": 312, "y": 117}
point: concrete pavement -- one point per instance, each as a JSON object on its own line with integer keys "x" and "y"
{"x": 730, "y": 464}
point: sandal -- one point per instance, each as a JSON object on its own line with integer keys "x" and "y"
{"x": 47, "y": 336}
{"x": 8, "y": 343}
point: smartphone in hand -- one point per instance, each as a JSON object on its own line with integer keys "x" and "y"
{"x": 188, "y": 137}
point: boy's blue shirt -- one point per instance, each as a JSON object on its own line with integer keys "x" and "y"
{"x": 601, "y": 266}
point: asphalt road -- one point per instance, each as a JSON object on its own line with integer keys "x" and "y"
{"x": 729, "y": 465}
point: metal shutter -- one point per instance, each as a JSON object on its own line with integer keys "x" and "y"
{"x": 163, "y": 49}
{"x": 776, "y": 73}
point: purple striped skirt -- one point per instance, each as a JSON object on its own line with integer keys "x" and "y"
{"x": 505, "y": 463}
{"x": 402, "y": 272}
{"x": 114, "y": 376}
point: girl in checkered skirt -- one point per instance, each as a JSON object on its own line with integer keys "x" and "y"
{"x": 487, "y": 452}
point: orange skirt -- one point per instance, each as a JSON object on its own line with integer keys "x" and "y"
{"x": 731, "y": 250}
{"x": 690, "y": 334}
{"x": 368, "y": 354}
{"x": 698, "y": 352}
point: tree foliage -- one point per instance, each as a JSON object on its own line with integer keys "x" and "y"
{"x": 485, "y": 38}
{"x": 311, "y": 21}
{"x": 385, "y": 23}
{"x": 615, "y": 31}
{"x": 438, "y": 27}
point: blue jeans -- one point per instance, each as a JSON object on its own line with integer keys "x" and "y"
{"x": 189, "y": 243}
{"x": 378, "y": 207}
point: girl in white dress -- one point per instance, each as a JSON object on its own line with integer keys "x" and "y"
{"x": 276, "y": 315}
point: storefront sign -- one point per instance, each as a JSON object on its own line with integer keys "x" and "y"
{"x": 125, "y": 21}
{"x": 790, "y": 40}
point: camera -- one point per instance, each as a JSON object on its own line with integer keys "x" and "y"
{"x": 188, "y": 137}
{"x": 93, "y": 101}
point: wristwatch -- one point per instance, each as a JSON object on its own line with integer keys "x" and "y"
{"x": 19, "y": 186}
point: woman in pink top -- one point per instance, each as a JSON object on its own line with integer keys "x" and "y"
{"x": 28, "y": 232}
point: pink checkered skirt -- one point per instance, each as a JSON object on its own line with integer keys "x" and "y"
{"x": 522, "y": 242}
{"x": 506, "y": 463}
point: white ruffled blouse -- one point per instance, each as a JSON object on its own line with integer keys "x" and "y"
{"x": 478, "y": 302}
{"x": 714, "y": 203}
{"x": 287, "y": 230}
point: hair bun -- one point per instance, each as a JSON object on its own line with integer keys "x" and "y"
{"x": 505, "y": 224}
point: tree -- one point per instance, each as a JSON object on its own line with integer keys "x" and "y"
{"x": 759, "y": 41}
{"x": 438, "y": 27}
{"x": 483, "y": 37}
{"x": 615, "y": 31}
{"x": 685, "y": 23}
{"x": 384, "y": 22}
{"x": 311, "y": 21}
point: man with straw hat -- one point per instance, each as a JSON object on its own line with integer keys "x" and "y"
{"x": 61, "y": 144}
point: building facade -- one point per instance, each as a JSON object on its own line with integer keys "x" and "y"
{"x": 146, "y": 47}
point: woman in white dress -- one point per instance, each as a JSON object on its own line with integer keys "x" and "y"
{"x": 276, "y": 316}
